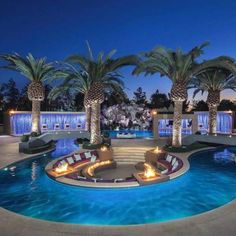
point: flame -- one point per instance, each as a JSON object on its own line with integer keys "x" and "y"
{"x": 11, "y": 112}
{"x": 104, "y": 148}
{"x": 91, "y": 168}
{"x": 149, "y": 171}
{"x": 62, "y": 168}
{"x": 154, "y": 112}
{"x": 157, "y": 150}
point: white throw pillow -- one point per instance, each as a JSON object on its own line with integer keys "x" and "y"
{"x": 175, "y": 165}
{"x": 87, "y": 155}
{"x": 70, "y": 160}
{"x": 169, "y": 158}
{"x": 62, "y": 162}
{"x": 173, "y": 161}
{"x": 93, "y": 158}
{"x": 77, "y": 157}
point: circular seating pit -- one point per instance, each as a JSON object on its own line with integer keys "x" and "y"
{"x": 79, "y": 166}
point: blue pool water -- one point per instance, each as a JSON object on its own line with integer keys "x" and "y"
{"x": 210, "y": 183}
{"x": 145, "y": 134}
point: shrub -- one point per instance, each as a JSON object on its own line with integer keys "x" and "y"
{"x": 106, "y": 135}
{"x": 81, "y": 140}
{"x": 198, "y": 132}
{"x": 34, "y": 134}
{"x": 25, "y": 138}
{"x": 91, "y": 146}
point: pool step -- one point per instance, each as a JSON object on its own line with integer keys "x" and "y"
{"x": 128, "y": 155}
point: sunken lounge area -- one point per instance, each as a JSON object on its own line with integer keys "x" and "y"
{"x": 98, "y": 169}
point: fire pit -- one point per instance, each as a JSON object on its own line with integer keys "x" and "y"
{"x": 150, "y": 175}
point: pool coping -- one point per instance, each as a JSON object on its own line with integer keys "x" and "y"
{"x": 214, "y": 222}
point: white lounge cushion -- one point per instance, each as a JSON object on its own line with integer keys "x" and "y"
{"x": 117, "y": 180}
{"x": 93, "y": 158}
{"x": 164, "y": 171}
{"x": 88, "y": 155}
{"x": 173, "y": 161}
{"x": 169, "y": 158}
{"x": 81, "y": 177}
{"x": 70, "y": 160}
{"x": 77, "y": 157}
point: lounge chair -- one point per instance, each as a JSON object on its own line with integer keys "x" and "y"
{"x": 56, "y": 126}
{"x": 44, "y": 127}
{"x": 66, "y": 126}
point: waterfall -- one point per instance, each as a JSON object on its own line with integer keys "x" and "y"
{"x": 224, "y": 122}
{"x": 165, "y": 127}
{"x": 21, "y": 122}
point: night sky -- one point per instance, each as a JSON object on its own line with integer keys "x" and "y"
{"x": 59, "y": 28}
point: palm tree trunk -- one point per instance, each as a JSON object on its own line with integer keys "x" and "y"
{"x": 88, "y": 118}
{"x": 36, "y": 116}
{"x": 177, "y": 127}
{"x": 212, "y": 119}
{"x": 95, "y": 123}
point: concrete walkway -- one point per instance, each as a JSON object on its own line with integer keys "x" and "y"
{"x": 222, "y": 139}
{"x": 218, "y": 222}
{"x": 6, "y": 139}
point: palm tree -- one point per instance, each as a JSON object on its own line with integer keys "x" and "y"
{"x": 93, "y": 77}
{"x": 213, "y": 81}
{"x": 177, "y": 66}
{"x": 76, "y": 81}
{"x": 37, "y": 71}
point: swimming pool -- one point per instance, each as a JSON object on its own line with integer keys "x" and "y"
{"x": 210, "y": 183}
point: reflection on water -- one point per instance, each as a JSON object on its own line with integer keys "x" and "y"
{"x": 224, "y": 157}
{"x": 64, "y": 146}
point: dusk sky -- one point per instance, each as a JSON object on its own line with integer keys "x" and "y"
{"x": 59, "y": 28}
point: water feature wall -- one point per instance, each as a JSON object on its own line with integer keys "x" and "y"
{"x": 224, "y": 122}
{"x": 165, "y": 127}
{"x": 20, "y": 122}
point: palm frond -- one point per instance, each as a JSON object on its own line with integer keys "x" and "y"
{"x": 31, "y": 68}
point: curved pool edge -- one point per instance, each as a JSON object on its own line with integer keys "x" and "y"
{"x": 184, "y": 156}
{"x": 214, "y": 222}
{"x": 24, "y": 157}
{"x": 219, "y": 221}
